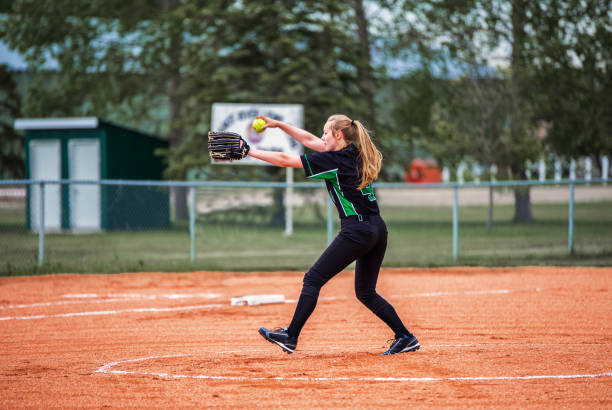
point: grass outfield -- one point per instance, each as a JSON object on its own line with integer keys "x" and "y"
{"x": 244, "y": 241}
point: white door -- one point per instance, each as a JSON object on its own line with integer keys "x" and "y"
{"x": 84, "y": 165}
{"x": 46, "y": 164}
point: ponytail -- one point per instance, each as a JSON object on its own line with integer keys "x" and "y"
{"x": 370, "y": 157}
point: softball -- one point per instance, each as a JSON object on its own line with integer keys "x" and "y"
{"x": 258, "y": 124}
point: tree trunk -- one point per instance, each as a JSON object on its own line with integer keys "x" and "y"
{"x": 365, "y": 72}
{"x": 278, "y": 209}
{"x": 490, "y": 216}
{"x": 517, "y": 63}
{"x": 522, "y": 205}
{"x": 179, "y": 194}
{"x": 278, "y": 194}
{"x": 522, "y": 202}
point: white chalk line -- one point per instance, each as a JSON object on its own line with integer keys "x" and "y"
{"x": 90, "y": 298}
{"x": 60, "y": 303}
{"x": 113, "y": 312}
{"x": 107, "y": 369}
{"x": 95, "y": 298}
{"x": 468, "y": 292}
{"x": 143, "y": 296}
{"x": 430, "y": 347}
{"x": 434, "y": 294}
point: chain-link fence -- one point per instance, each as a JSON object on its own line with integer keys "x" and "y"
{"x": 115, "y": 226}
{"x": 18, "y": 245}
{"x": 478, "y": 226}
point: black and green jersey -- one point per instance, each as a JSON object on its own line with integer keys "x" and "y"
{"x": 340, "y": 171}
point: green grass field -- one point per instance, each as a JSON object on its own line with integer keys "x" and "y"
{"x": 243, "y": 240}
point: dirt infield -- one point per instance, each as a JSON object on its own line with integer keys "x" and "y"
{"x": 515, "y": 337}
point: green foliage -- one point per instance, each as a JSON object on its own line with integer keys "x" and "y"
{"x": 557, "y": 69}
{"x": 571, "y": 52}
{"x": 133, "y": 62}
{"x": 158, "y": 66}
{"x": 404, "y": 120}
{"x": 12, "y": 163}
{"x": 99, "y": 71}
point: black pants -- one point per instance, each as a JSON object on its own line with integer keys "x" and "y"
{"x": 364, "y": 241}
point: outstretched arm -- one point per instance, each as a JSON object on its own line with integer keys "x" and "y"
{"x": 302, "y": 136}
{"x": 279, "y": 159}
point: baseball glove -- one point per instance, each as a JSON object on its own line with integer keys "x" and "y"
{"x": 227, "y": 146}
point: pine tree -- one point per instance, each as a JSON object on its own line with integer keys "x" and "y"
{"x": 12, "y": 164}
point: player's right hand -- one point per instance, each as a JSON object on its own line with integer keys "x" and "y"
{"x": 270, "y": 123}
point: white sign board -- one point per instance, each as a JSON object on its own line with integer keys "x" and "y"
{"x": 239, "y": 118}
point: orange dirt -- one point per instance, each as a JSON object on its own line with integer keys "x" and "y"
{"x": 512, "y": 337}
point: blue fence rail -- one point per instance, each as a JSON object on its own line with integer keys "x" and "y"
{"x": 193, "y": 185}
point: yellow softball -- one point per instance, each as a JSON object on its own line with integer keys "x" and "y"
{"x": 258, "y": 124}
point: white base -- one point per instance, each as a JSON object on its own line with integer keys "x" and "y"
{"x": 253, "y": 300}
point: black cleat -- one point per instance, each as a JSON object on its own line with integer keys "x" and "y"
{"x": 280, "y": 337}
{"x": 404, "y": 343}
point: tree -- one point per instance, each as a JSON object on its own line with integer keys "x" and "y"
{"x": 365, "y": 71}
{"x": 460, "y": 39}
{"x": 474, "y": 120}
{"x": 113, "y": 60}
{"x": 12, "y": 164}
{"x": 129, "y": 61}
{"x": 405, "y": 118}
{"x": 132, "y": 62}
{"x": 280, "y": 52}
{"x": 571, "y": 53}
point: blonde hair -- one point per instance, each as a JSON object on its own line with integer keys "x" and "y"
{"x": 370, "y": 156}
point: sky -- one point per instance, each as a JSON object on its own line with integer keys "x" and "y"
{"x": 15, "y": 60}
{"x": 395, "y": 67}
{"x": 11, "y": 58}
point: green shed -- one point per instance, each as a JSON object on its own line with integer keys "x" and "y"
{"x": 88, "y": 148}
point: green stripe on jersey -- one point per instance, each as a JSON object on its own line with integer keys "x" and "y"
{"x": 308, "y": 162}
{"x": 332, "y": 177}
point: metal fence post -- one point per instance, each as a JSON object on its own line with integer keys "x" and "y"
{"x": 289, "y": 203}
{"x": 192, "y": 212}
{"x": 41, "y": 227}
{"x": 455, "y": 222}
{"x": 570, "y": 239}
{"x": 330, "y": 222}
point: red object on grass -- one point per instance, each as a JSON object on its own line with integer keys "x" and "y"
{"x": 422, "y": 171}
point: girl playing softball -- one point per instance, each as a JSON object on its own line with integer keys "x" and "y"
{"x": 348, "y": 171}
